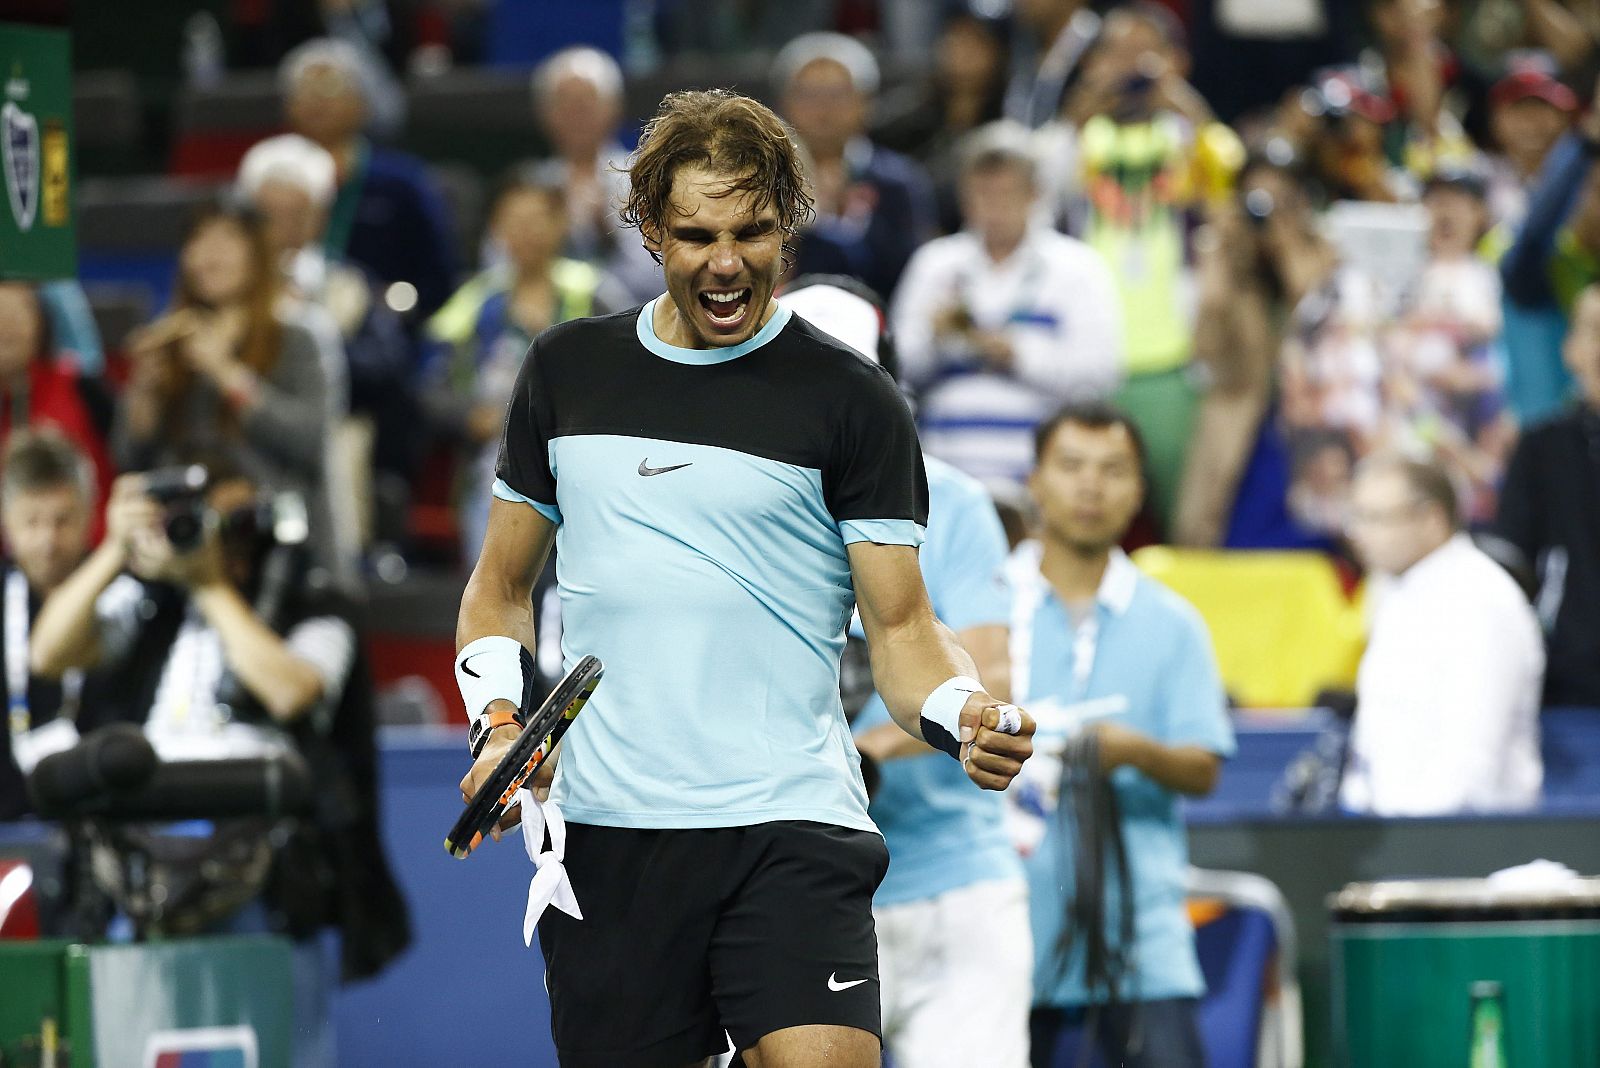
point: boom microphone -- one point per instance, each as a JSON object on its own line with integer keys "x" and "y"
{"x": 114, "y": 775}
{"x": 262, "y": 787}
{"x": 113, "y": 759}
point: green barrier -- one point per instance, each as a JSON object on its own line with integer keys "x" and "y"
{"x": 34, "y": 1009}
{"x": 1457, "y": 974}
{"x": 228, "y": 999}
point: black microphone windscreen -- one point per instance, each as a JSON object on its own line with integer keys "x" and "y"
{"x": 125, "y": 759}
{"x": 219, "y": 789}
{"x": 112, "y": 759}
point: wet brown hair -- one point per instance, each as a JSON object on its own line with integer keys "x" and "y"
{"x": 730, "y": 133}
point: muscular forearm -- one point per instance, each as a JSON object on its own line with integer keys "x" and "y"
{"x": 987, "y": 645}
{"x": 889, "y": 741}
{"x": 910, "y": 662}
{"x": 284, "y": 683}
{"x": 64, "y": 635}
{"x": 493, "y": 604}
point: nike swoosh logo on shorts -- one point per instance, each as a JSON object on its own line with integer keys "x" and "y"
{"x": 646, "y": 470}
{"x": 834, "y": 984}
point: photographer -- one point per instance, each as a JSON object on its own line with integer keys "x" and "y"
{"x": 1260, "y": 261}
{"x": 198, "y": 611}
{"x": 1138, "y": 156}
{"x": 186, "y": 609}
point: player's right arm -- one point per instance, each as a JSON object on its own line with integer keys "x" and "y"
{"x": 498, "y": 601}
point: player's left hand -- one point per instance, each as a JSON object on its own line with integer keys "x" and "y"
{"x": 993, "y": 758}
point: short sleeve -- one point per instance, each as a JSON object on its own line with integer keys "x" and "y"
{"x": 328, "y": 644}
{"x": 964, "y": 559}
{"x": 522, "y": 472}
{"x": 1196, "y": 706}
{"x": 875, "y": 484}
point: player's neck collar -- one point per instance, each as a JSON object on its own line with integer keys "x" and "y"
{"x": 647, "y": 337}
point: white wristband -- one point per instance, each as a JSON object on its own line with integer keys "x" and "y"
{"x": 941, "y": 713}
{"x": 490, "y": 669}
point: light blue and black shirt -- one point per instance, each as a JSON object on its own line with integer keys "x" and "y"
{"x": 704, "y": 499}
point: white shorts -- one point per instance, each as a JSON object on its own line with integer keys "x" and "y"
{"x": 956, "y": 977}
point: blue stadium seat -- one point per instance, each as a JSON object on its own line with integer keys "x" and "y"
{"x": 1570, "y": 744}
{"x": 1250, "y": 1016}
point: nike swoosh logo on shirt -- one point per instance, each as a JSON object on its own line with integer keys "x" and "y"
{"x": 834, "y": 984}
{"x": 646, "y": 470}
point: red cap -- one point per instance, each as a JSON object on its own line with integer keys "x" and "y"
{"x": 1343, "y": 92}
{"x": 1533, "y": 84}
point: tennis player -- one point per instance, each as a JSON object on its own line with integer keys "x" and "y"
{"x": 723, "y": 483}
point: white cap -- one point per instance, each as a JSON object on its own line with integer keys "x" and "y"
{"x": 288, "y": 158}
{"x": 856, "y": 58}
{"x": 590, "y": 64}
{"x": 847, "y": 317}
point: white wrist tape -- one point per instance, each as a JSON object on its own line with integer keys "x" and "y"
{"x": 941, "y": 713}
{"x": 490, "y": 669}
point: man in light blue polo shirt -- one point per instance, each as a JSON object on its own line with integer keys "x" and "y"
{"x": 949, "y": 855}
{"x": 1097, "y": 646}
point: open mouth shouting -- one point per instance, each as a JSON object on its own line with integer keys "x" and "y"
{"x": 726, "y": 310}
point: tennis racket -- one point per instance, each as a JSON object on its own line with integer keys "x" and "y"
{"x": 526, "y": 755}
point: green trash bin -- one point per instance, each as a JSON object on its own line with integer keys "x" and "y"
{"x": 1459, "y": 973}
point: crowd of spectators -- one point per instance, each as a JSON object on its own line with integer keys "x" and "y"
{"x": 1339, "y": 264}
{"x": 1383, "y": 240}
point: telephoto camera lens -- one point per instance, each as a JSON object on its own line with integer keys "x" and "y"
{"x": 181, "y": 490}
{"x": 185, "y": 525}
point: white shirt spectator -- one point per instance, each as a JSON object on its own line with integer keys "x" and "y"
{"x": 1054, "y": 301}
{"x": 1448, "y": 696}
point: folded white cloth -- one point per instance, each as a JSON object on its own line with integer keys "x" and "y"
{"x": 1534, "y": 875}
{"x": 550, "y": 884}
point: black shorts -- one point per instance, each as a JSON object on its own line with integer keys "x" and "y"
{"x": 689, "y": 933}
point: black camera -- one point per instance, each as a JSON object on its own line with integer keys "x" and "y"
{"x": 182, "y": 492}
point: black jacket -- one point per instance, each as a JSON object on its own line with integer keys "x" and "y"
{"x": 1550, "y": 510}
